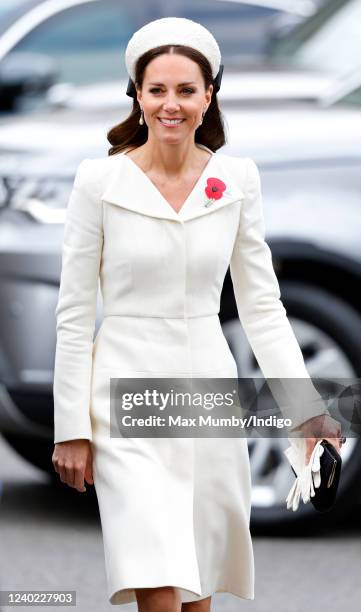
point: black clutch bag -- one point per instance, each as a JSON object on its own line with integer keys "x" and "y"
{"x": 330, "y": 463}
{"x": 326, "y": 476}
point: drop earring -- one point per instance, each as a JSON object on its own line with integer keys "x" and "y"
{"x": 204, "y": 112}
{"x": 141, "y": 119}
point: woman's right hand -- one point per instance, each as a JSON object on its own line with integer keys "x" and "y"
{"x": 321, "y": 427}
{"x": 72, "y": 460}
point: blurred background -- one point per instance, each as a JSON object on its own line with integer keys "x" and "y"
{"x": 291, "y": 100}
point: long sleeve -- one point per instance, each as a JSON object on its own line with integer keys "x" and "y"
{"x": 263, "y": 315}
{"x": 76, "y": 308}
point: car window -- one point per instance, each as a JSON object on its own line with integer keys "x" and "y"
{"x": 330, "y": 42}
{"x": 239, "y": 28}
{"x": 11, "y": 10}
{"x": 87, "y": 41}
{"x": 8, "y": 6}
{"x": 337, "y": 45}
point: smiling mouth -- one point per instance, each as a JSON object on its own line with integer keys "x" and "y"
{"x": 170, "y": 122}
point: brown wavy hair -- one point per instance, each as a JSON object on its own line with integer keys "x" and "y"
{"x": 129, "y": 133}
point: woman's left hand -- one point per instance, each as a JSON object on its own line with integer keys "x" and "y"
{"x": 322, "y": 427}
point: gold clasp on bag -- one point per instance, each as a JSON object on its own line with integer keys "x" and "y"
{"x": 332, "y": 475}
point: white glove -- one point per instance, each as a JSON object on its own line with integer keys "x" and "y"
{"x": 308, "y": 475}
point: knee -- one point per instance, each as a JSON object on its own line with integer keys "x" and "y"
{"x": 162, "y": 599}
{"x": 203, "y": 605}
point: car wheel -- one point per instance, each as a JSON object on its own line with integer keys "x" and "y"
{"x": 35, "y": 450}
{"x": 328, "y": 331}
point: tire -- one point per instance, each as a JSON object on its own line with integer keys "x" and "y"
{"x": 337, "y": 321}
{"x": 328, "y": 312}
{"x": 37, "y": 451}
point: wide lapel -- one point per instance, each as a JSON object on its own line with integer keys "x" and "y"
{"x": 195, "y": 203}
{"x": 128, "y": 187}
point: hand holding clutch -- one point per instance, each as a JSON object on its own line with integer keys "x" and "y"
{"x": 318, "y": 479}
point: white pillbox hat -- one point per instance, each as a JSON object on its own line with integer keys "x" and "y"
{"x": 172, "y": 30}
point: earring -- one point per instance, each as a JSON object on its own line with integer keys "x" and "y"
{"x": 204, "y": 112}
{"x": 141, "y": 119}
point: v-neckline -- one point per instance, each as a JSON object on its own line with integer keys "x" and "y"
{"x": 147, "y": 179}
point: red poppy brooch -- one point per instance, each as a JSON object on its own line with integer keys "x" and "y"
{"x": 213, "y": 190}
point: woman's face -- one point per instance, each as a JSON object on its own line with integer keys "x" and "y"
{"x": 173, "y": 88}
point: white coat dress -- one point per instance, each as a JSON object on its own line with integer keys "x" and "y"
{"x": 174, "y": 511}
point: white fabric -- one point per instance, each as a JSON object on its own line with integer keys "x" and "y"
{"x": 172, "y": 30}
{"x": 173, "y": 511}
{"x": 308, "y": 475}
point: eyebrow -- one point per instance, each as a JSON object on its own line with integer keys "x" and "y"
{"x": 185, "y": 83}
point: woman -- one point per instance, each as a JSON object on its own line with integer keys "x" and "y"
{"x": 159, "y": 220}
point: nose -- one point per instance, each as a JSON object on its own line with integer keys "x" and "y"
{"x": 171, "y": 102}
